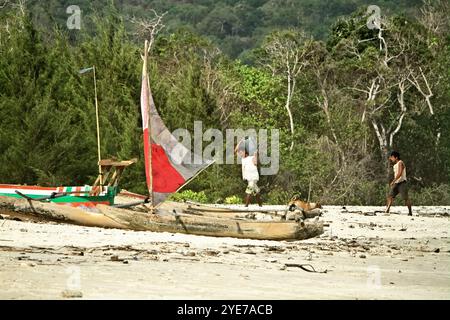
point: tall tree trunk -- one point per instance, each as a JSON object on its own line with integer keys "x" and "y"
{"x": 288, "y": 107}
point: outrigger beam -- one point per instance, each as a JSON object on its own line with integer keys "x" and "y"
{"x": 52, "y": 196}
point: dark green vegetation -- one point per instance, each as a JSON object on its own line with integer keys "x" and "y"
{"x": 235, "y": 26}
{"x": 354, "y": 93}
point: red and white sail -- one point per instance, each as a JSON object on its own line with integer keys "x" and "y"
{"x": 167, "y": 162}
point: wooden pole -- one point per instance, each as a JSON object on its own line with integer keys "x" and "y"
{"x": 98, "y": 133}
{"x": 149, "y": 124}
{"x": 309, "y": 190}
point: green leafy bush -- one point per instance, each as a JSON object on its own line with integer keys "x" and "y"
{"x": 233, "y": 200}
{"x": 436, "y": 195}
{"x": 277, "y": 196}
{"x": 189, "y": 195}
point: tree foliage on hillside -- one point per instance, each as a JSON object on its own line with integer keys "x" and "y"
{"x": 344, "y": 101}
{"x": 235, "y": 26}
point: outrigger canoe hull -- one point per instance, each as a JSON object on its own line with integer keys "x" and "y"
{"x": 169, "y": 221}
{"x": 71, "y": 196}
{"x": 103, "y": 191}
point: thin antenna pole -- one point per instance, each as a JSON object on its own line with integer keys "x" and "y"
{"x": 149, "y": 110}
{"x": 100, "y": 174}
{"x": 309, "y": 190}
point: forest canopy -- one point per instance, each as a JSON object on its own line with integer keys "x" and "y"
{"x": 341, "y": 94}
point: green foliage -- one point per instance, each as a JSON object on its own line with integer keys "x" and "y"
{"x": 189, "y": 195}
{"x": 277, "y": 196}
{"x": 233, "y": 200}
{"x": 434, "y": 195}
{"x": 47, "y": 110}
{"x": 234, "y": 26}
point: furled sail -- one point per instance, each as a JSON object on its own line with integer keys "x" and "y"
{"x": 167, "y": 162}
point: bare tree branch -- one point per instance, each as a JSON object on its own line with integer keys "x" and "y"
{"x": 381, "y": 135}
{"x": 401, "y": 100}
{"x": 149, "y": 28}
{"x": 210, "y": 75}
{"x": 4, "y": 3}
{"x": 288, "y": 57}
{"x": 434, "y": 16}
{"x": 21, "y": 5}
{"x": 417, "y": 85}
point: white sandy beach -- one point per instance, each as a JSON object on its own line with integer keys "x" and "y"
{"x": 365, "y": 257}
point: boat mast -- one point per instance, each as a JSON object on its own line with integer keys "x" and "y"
{"x": 98, "y": 133}
{"x": 149, "y": 110}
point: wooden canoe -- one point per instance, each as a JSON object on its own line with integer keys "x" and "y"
{"x": 219, "y": 212}
{"x": 169, "y": 221}
{"x": 223, "y": 212}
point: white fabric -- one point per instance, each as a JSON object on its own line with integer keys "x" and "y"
{"x": 249, "y": 169}
{"x": 396, "y": 169}
{"x": 252, "y": 187}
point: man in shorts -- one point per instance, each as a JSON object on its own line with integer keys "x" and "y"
{"x": 249, "y": 173}
{"x": 399, "y": 184}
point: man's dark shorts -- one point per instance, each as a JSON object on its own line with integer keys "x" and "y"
{"x": 401, "y": 188}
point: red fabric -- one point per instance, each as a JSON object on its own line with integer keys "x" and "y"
{"x": 166, "y": 178}
{"x": 147, "y": 160}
